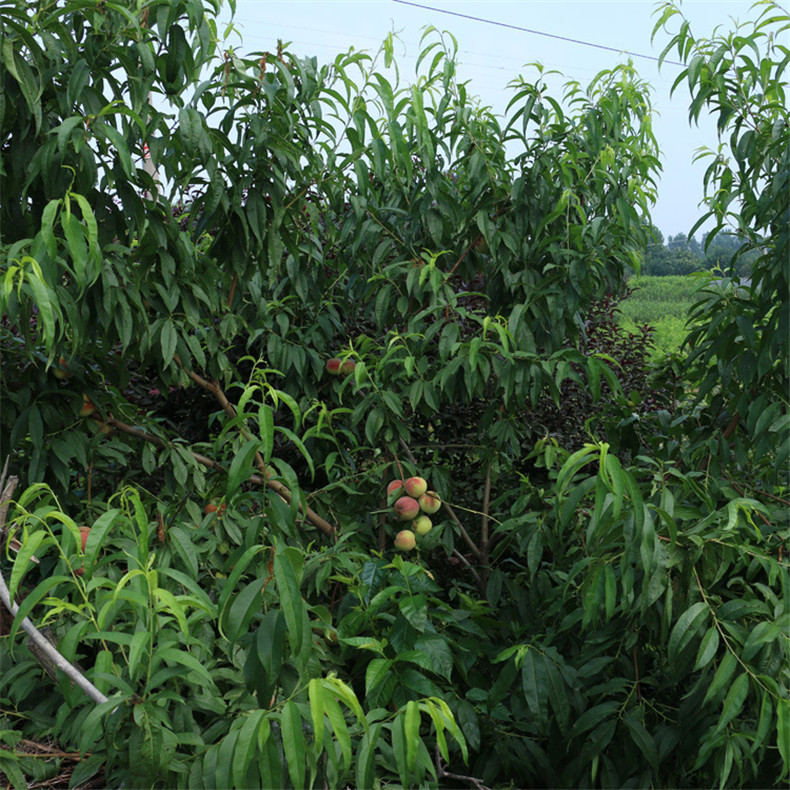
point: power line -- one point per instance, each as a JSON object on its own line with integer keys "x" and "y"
{"x": 534, "y": 32}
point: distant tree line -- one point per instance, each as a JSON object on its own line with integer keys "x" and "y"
{"x": 680, "y": 254}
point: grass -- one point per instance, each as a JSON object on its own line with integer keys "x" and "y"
{"x": 662, "y": 302}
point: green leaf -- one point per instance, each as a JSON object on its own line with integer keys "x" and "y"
{"x": 534, "y": 684}
{"x": 168, "y": 339}
{"x": 783, "y": 733}
{"x": 139, "y": 648}
{"x": 722, "y": 677}
{"x": 438, "y": 652}
{"x": 415, "y": 610}
{"x": 686, "y": 628}
{"x": 171, "y": 655}
{"x": 266, "y": 428}
{"x": 733, "y": 702}
{"x": 31, "y": 599}
{"x": 400, "y": 750}
{"x": 245, "y": 606}
{"x": 375, "y": 673}
{"x": 246, "y": 746}
{"x": 241, "y": 467}
{"x": 339, "y": 728}
{"x": 270, "y": 642}
{"x": 167, "y": 602}
{"x": 411, "y": 731}
{"x": 707, "y": 648}
{"x": 23, "y": 561}
{"x": 184, "y": 548}
{"x": 643, "y": 740}
{"x": 365, "y": 757}
{"x": 290, "y": 597}
{"x": 293, "y": 743}
{"x": 315, "y": 693}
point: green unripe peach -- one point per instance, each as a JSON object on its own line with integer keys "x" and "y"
{"x": 405, "y": 540}
{"x": 406, "y": 508}
{"x": 422, "y": 525}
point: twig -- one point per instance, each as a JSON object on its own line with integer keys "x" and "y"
{"x": 407, "y": 450}
{"x": 486, "y": 503}
{"x": 464, "y": 534}
{"x": 41, "y": 750}
{"x": 742, "y": 492}
{"x": 276, "y": 486}
{"x": 38, "y": 639}
{"x": 442, "y": 773}
{"x": 4, "y": 502}
{"x": 469, "y": 565}
{"x": 463, "y": 255}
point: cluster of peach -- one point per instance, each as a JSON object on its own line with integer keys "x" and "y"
{"x": 412, "y": 501}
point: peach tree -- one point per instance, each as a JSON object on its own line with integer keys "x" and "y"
{"x": 199, "y": 232}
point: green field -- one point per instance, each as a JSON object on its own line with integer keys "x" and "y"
{"x": 662, "y": 302}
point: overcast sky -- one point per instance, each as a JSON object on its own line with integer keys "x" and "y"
{"x": 492, "y": 55}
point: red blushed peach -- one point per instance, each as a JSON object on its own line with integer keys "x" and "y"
{"x": 333, "y": 366}
{"x": 406, "y": 508}
{"x": 88, "y": 406}
{"x": 394, "y": 486}
{"x": 430, "y": 502}
{"x": 61, "y": 370}
{"x": 405, "y": 540}
{"x": 415, "y": 487}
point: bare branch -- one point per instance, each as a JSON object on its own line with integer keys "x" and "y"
{"x": 442, "y": 773}
{"x": 464, "y": 534}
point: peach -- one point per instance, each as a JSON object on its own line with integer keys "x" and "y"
{"x": 406, "y": 508}
{"x": 333, "y": 366}
{"x": 61, "y": 370}
{"x": 430, "y": 502}
{"x": 88, "y": 406}
{"x": 415, "y": 487}
{"x": 405, "y": 540}
{"x": 213, "y": 507}
{"x": 422, "y": 525}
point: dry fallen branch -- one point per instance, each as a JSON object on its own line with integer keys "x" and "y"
{"x": 48, "y": 653}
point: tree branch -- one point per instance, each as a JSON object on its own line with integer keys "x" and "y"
{"x": 464, "y": 534}
{"x": 266, "y": 477}
{"x": 442, "y": 773}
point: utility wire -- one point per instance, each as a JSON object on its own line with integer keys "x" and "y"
{"x": 534, "y": 32}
